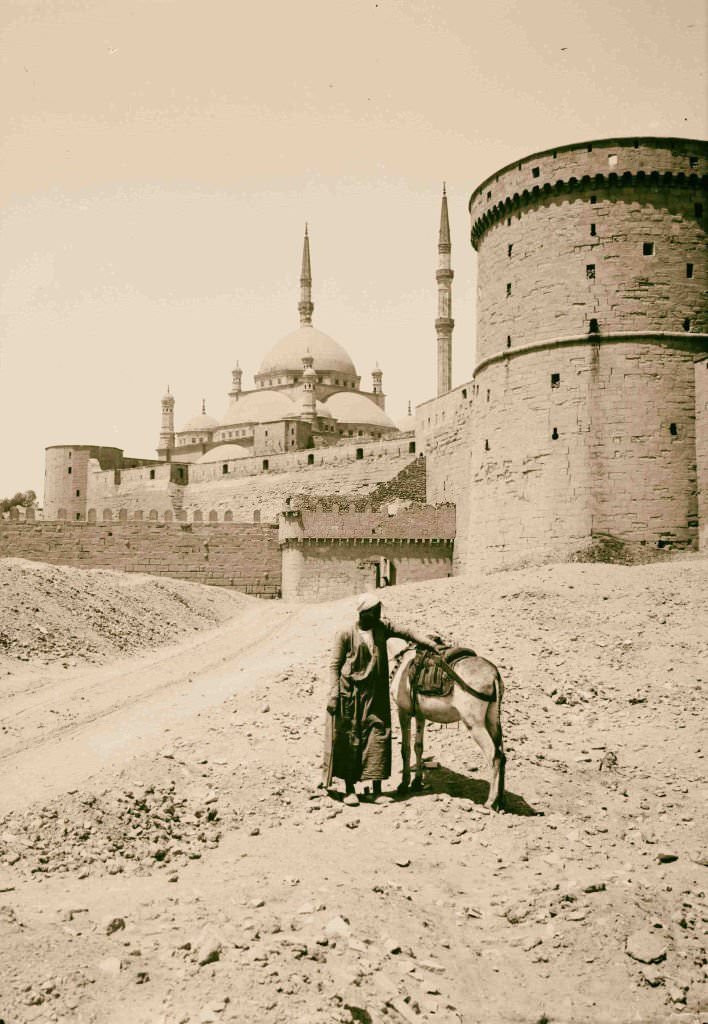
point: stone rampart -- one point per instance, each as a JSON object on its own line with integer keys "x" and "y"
{"x": 243, "y": 556}
{"x": 603, "y": 237}
{"x": 581, "y": 440}
{"x": 236, "y": 489}
{"x": 701, "y": 379}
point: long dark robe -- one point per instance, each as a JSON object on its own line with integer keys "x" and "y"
{"x": 358, "y": 736}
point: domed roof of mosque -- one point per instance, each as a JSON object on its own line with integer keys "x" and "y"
{"x": 353, "y": 407}
{"x": 260, "y": 407}
{"x": 224, "y": 452}
{"x": 201, "y": 422}
{"x": 406, "y": 423}
{"x": 322, "y": 410}
{"x": 286, "y": 356}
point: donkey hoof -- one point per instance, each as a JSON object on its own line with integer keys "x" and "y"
{"x": 417, "y": 784}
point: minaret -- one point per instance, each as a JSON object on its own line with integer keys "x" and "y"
{"x": 305, "y": 305}
{"x": 308, "y": 405}
{"x": 167, "y": 427}
{"x": 377, "y": 382}
{"x": 444, "y": 323}
{"x": 236, "y": 378}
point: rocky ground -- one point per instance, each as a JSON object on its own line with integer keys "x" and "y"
{"x": 165, "y": 856}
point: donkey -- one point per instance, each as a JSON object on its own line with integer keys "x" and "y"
{"x": 474, "y": 698}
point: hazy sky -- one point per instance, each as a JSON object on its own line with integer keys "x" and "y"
{"x": 160, "y": 157}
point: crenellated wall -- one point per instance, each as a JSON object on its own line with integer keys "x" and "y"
{"x": 243, "y": 556}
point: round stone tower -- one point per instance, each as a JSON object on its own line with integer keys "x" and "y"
{"x": 66, "y": 478}
{"x": 590, "y": 313}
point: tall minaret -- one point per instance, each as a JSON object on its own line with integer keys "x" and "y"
{"x": 444, "y": 323}
{"x": 308, "y": 401}
{"x": 167, "y": 426}
{"x": 305, "y": 305}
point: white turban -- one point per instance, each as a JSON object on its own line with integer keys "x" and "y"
{"x": 367, "y": 601}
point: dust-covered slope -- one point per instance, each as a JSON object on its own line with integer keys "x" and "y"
{"x": 50, "y": 613}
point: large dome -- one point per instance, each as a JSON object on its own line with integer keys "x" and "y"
{"x": 353, "y": 407}
{"x": 287, "y": 355}
{"x": 260, "y": 407}
{"x": 201, "y": 422}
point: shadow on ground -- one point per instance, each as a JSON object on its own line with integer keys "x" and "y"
{"x": 445, "y": 780}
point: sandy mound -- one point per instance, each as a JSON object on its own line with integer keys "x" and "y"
{"x": 54, "y": 613}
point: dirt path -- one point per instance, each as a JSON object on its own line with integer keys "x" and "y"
{"x": 164, "y": 856}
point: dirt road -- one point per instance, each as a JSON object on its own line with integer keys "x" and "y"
{"x": 165, "y": 857}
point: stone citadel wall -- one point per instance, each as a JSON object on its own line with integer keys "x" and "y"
{"x": 245, "y": 557}
{"x": 701, "y": 371}
{"x": 329, "y": 570}
{"x": 232, "y": 490}
{"x": 578, "y": 428}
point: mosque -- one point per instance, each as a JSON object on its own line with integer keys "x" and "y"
{"x": 307, "y": 394}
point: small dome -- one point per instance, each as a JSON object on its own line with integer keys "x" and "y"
{"x": 353, "y": 407}
{"x": 286, "y": 356}
{"x": 201, "y": 422}
{"x": 406, "y": 424}
{"x": 259, "y": 407}
{"x": 224, "y": 452}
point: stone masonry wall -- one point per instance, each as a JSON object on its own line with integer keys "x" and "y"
{"x": 701, "y": 378}
{"x": 243, "y": 556}
{"x": 531, "y": 291}
{"x": 333, "y": 570}
{"x": 576, "y": 441}
{"x": 444, "y": 434}
{"x": 212, "y": 492}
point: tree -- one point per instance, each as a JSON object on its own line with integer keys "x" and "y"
{"x": 25, "y": 499}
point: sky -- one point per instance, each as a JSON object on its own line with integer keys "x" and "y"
{"x": 161, "y": 157}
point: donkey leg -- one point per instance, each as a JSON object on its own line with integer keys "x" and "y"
{"x": 419, "y": 739}
{"x": 495, "y": 730}
{"x": 491, "y": 755}
{"x": 405, "y": 722}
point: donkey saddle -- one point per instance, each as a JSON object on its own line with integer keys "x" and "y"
{"x": 432, "y": 674}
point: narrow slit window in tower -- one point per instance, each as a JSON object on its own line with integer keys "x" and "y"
{"x": 310, "y": 459}
{"x": 672, "y": 429}
{"x": 648, "y": 249}
{"x": 593, "y": 230}
{"x": 69, "y": 470}
{"x": 486, "y": 445}
{"x": 265, "y": 463}
{"x": 593, "y": 199}
{"x": 508, "y": 341}
{"x": 554, "y": 435}
{"x": 555, "y": 380}
{"x": 594, "y": 327}
{"x": 78, "y": 494}
{"x": 360, "y": 453}
{"x": 689, "y": 270}
{"x": 508, "y": 288}
{"x": 535, "y": 171}
{"x": 489, "y": 393}
{"x": 509, "y": 249}
{"x": 225, "y": 468}
{"x": 152, "y": 474}
{"x": 590, "y": 271}
{"x": 687, "y": 324}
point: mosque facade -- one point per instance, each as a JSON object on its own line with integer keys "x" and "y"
{"x": 306, "y": 393}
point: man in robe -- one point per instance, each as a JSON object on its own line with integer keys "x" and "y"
{"x": 358, "y": 727}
